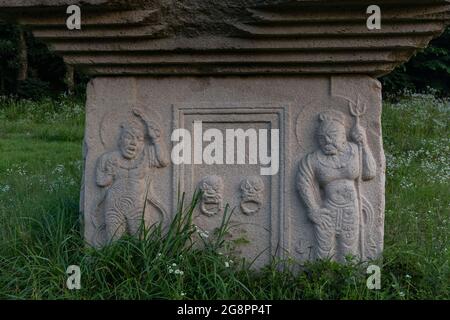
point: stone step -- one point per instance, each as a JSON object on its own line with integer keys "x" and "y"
{"x": 128, "y": 32}
{"x": 342, "y": 30}
{"x": 59, "y": 3}
{"x": 428, "y": 13}
{"x": 92, "y": 19}
{"x": 210, "y": 44}
{"x": 253, "y": 31}
{"x": 377, "y": 69}
{"x": 287, "y": 57}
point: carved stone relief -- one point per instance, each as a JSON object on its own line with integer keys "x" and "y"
{"x": 252, "y": 189}
{"x": 123, "y": 175}
{"x": 249, "y": 234}
{"x": 305, "y": 248}
{"x": 212, "y": 197}
{"x": 268, "y": 217}
{"x": 330, "y": 184}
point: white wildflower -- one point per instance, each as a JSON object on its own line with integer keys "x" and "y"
{"x": 179, "y": 272}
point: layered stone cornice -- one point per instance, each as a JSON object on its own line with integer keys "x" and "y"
{"x": 198, "y": 37}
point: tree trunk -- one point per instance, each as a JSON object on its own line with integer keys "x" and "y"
{"x": 22, "y": 73}
{"x": 2, "y": 82}
{"x": 70, "y": 79}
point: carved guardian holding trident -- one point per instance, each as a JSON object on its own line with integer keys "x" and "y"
{"x": 123, "y": 176}
{"x": 329, "y": 183}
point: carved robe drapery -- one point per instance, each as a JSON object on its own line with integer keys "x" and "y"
{"x": 327, "y": 184}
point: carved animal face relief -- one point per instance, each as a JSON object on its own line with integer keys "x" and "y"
{"x": 212, "y": 198}
{"x": 252, "y": 189}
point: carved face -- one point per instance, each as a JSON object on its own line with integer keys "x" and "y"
{"x": 212, "y": 187}
{"x": 131, "y": 143}
{"x": 252, "y": 192}
{"x": 252, "y": 187}
{"x": 332, "y": 138}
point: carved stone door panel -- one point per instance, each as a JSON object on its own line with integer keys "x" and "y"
{"x": 254, "y": 235}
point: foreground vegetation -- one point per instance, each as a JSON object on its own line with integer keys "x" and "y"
{"x": 40, "y": 236}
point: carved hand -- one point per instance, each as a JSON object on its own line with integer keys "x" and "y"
{"x": 139, "y": 113}
{"x": 315, "y": 218}
{"x": 326, "y": 221}
{"x": 152, "y": 128}
{"x": 153, "y": 131}
{"x": 358, "y": 135}
{"x": 321, "y": 217}
{"x": 110, "y": 168}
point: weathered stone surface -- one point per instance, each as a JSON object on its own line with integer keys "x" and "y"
{"x": 305, "y": 68}
{"x": 278, "y": 221}
{"x": 166, "y": 37}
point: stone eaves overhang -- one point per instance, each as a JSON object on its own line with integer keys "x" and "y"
{"x": 239, "y": 37}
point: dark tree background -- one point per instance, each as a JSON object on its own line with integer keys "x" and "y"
{"x": 29, "y": 70}
{"x": 9, "y": 64}
{"x": 429, "y": 68}
{"x": 39, "y": 72}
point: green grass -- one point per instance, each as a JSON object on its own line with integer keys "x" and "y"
{"x": 40, "y": 236}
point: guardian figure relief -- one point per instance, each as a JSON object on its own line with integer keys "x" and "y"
{"x": 329, "y": 182}
{"x": 124, "y": 175}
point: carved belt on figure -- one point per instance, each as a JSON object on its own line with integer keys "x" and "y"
{"x": 345, "y": 215}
